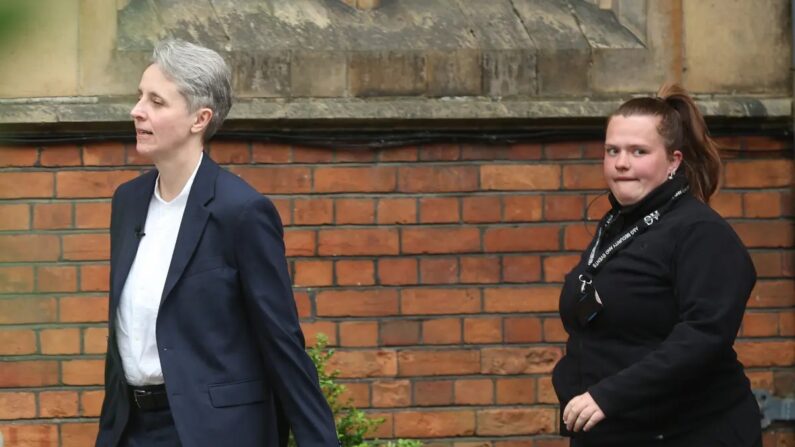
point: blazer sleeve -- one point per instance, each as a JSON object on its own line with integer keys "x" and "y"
{"x": 713, "y": 278}
{"x": 267, "y": 293}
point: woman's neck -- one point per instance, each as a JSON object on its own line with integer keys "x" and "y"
{"x": 175, "y": 172}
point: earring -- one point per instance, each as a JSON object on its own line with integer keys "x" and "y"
{"x": 671, "y": 174}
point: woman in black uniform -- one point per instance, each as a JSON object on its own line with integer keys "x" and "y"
{"x": 654, "y": 305}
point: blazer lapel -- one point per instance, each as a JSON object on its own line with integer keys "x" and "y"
{"x": 193, "y": 222}
{"x": 137, "y": 207}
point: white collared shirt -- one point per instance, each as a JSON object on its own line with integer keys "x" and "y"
{"x": 140, "y": 298}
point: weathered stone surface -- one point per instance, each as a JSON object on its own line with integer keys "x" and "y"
{"x": 321, "y": 74}
{"x": 388, "y": 73}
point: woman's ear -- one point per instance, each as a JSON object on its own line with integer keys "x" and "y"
{"x": 203, "y": 117}
{"x": 676, "y": 160}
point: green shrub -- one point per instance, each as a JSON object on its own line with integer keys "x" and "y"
{"x": 352, "y": 424}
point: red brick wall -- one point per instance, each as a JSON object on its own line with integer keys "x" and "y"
{"x": 434, "y": 269}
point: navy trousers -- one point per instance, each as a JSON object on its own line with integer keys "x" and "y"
{"x": 150, "y": 429}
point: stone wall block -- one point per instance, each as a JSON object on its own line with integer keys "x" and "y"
{"x": 318, "y": 74}
{"x": 387, "y": 73}
{"x": 454, "y": 73}
{"x": 510, "y": 73}
{"x": 264, "y": 75}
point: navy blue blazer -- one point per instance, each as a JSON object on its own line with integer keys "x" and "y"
{"x": 230, "y": 345}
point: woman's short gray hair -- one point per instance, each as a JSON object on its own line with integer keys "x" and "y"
{"x": 201, "y": 75}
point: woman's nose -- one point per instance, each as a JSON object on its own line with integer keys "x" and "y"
{"x": 137, "y": 111}
{"x": 622, "y": 160}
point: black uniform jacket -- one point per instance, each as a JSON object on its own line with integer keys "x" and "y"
{"x": 658, "y": 359}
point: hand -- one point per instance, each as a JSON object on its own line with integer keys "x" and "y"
{"x": 582, "y": 412}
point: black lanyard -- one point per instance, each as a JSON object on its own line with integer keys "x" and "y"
{"x": 595, "y": 262}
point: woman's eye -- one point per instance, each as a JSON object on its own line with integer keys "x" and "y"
{"x": 611, "y": 151}
{"x": 639, "y": 152}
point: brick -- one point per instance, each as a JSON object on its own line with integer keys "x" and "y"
{"x": 763, "y": 204}
{"x": 521, "y": 268}
{"x": 48, "y": 216}
{"x": 588, "y": 176}
{"x": 440, "y": 152}
{"x": 474, "y": 392}
{"x": 303, "y": 303}
{"x": 786, "y": 323}
{"x": 16, "y": 279}
{"x": 438, "y": 179}
{"x": 270, "y": 153}
{"x": 313, "y": 211}
{"x": 355, "y": 272}
{"x": 425, "y": 240}
{"x": 522, "y": 330}
{"x": 94, "y": 278}
{"x": 18, "y": 156}
{"x": 357, "y": 303}
{"x": 79, "y": 184}
{"x": 758, "y": 174}
{"x": 523, "y": 239}
{"x": 516, "y": 421}
{"x": 482, "y": 330}
{"x": 86, "y": 247}
{"x": 277, "y": 180}
{"x": 545, "y": 391}
{"x": 92, "y": 215}
{"x": 399, "y": 332}
{"x": 302, "y": 154}
{"x": 758, "y": 324}
{"x": 568, "y": 150}
{"x": 481, "y": 209}
{"x": 442, "y": 331}
{"x": 434, "y": 424}
{"x": 358, "y": 333}
{"x": 556, "y": 267}
{"x": 766, "y": 353}
{"x": 358, "y": 394}
{"x": 107, "y": 153}
{"x": 727, "y": 204}
{"x": 60, "y": 155}
{"x": 132, "y": 157}
{"x": 508, "y": 361}
{"x": 285, "y": 209}
{"x": 433, "y": 392}
{"x": 311, "y": 331}
{"x": 386, "y": 429}
{"x": 391, "y": 393}
{"x": 361, "y": 179}
{"x": 597, "y": 206}
{"x": 95, "y": 340}
{"x": 29, "y": 374}
{"x": 766, "y": 143}
{"x": 516, "y": 390}
{"x": 773, "y": 294}
{"x": 60, "y": 341}
{"x": 522, "y": 209}
{"x": 300, "y": 242}
{"x": 15, "y": 185}
{"x": 15, "y": 405}
{"x": 28, "y": 310}
{"x": 397, "y": 271}
{"x": 486, "y": 151}
{"x": 439, "y": 301}
{"x": 17, "y": 342}
{"x": 439, "y": 210}
{"x": 30, "y": 435}
{"x": 563, "y": 207}
{"x": 406, "y": 153}
{"x": 525, "y": 151}
{"x": 313, "y": 273}
{"x": 554, "y": 331}
{"x": 770, "y": 264}
{"x": 761, "y": 379}
{"x": 83, "y": 372}
{"x": 78, "y": 434}
{"x": 480, "y": 270}
{"x": 83, "y": 309}
{"x": 397, "y": 211}
{"x": 357, "y": 242}
{"x": 521, "y": 299}
{"x": 230, "y": 152}
{"x": 91, "y": 402}
{"x": 361, "y": 364}
{"x": 14, "y": 217}
{"x": 438, "y": 270}
{"x": 438, "y": 363}
{"x": 519, "y": 177}
{"x": 56, "y": 278}
{"x": 578, "y": 236}
{"x": 363, "y": 155}
{"x": 58, "y": 404}
{"x": 29, "y": 247}
{"x": 354, "y": 211}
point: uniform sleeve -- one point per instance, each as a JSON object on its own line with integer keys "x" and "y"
{"x": 267, "y": 292}
{"x": 713, "y": 278}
